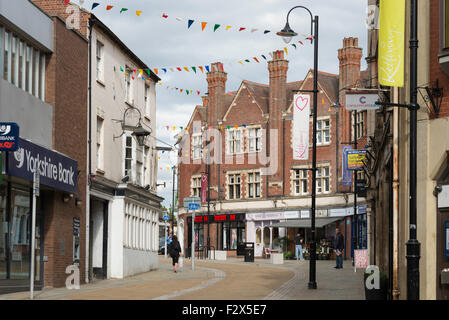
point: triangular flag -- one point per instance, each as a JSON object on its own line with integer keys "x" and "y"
{"x": 266, "y": 31}
{"x": 285, "y": 49}
{"x": 179, "y": 19}
{"x": 201, "y": 68}
{"x": 207, "y": 68}
{"x": 254, "y": 30}
{"x": 67, "y": 1}
{"x": 133, "y": 77}
{"x": 194, "y": 69}
{"x": 186, "y": 69}
{"x": 322, "y": 101}
{"x": 240, "y": 62}
{"x": 138, "y": 13}
{"x": 141, "y": 72}
{"x": 187, "y": 91}
{"x": 246, "y": 60}
{"x": 94, "y": 5}
{"x": 198, "y": 92}
{"x": 164, "y": 16}
{"x": 109, "y": 7}
{"x": 172, "y": 70}
{"x": 229, "y": 127}
{"x": 179, "y": 68}
{"x": 189, "y": 23}
{"x": 174, "y": 128}
{"x": 121, "y": 69}
{"x": 203, "y": 25}
{"x": 155, "y": 71}
{"x": 181, "y": 90}
{"x": 256, "y": 60}
{"x": 294, "y": 45}
{"x": 216, "y": 27}
{"x": 148, "y": 71}
{"x": 264, "y": 57}
{"x": 228, "y": 27}
{"x": 301, "y": 42}
{"x": 241, "y": 29}
{"x": 123, "y": 10}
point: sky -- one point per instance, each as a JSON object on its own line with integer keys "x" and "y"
{"x": 168, "y": 42}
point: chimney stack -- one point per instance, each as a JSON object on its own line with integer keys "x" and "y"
{"x": 216, "y": 80}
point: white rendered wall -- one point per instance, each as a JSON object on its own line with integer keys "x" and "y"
{"x": 138, "y": 261}
{"x": 116, "y": 217}
{"x": 97, "y": 234}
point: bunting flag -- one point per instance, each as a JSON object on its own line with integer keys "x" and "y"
{"x": 203, "y": 25}
{"x": 138, "y": 13}
{"x": 194, "y": 69}
{"x": 189, "y": 23}
{"x": 241, "y": 29}
{"x": 121, "y": 69}
{"x": 256, "y": 59}
{"x": 228, "y": 27}
{"x": 109, "y": 7}
{"x": 201, "y": 68}
{"x": 123, "y": 10}
{"x": 94, "y": 5}
{"x": 67, "y": 2}
{"x": 164, "y": 16}
{"x": 266, "y": 31}
{"x": 216, "y": 27}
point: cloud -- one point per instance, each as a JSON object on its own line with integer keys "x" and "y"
{"x": 167, "y": 42}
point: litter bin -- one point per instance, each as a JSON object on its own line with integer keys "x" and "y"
{"x": 249, "y": 251}
{"x": 241, "y": 249}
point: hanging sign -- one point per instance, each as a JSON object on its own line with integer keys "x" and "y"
{"x": 361, "y": 102}
{"x": 346, "y": 174}
{"x": 391, "y": 43}
{"x": 203, "y": 188}
{"x": 301, "y": 117}
{"x": 356, "y": 159}
{"x": 9, "y": 135}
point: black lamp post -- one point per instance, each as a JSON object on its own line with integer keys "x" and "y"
{"x": 287, "y": 33}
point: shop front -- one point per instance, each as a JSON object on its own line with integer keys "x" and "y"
{"x": 57, "y": 172}
{"x": 226, "y": 231}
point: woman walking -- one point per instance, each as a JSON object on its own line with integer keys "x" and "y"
{"x": 175, "y": 251}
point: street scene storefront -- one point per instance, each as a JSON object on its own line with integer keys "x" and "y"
{"x": 58, "y": 178}
{"x": 226, "y": 231}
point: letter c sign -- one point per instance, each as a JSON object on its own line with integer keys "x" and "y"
{"x": 362, "y": 100}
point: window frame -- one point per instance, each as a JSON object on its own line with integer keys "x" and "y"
{"x": 197, "y": 145}
{"x": 298, "y": 180}
{"x": 99, "y": 61}
{"x": 321, "y": 130}
{"x": 257, "y": 138}
{"x": 320, "y": 178}
{"x": 254, "y": 185}
{"x": 233, "y": 195}
{"x": 196, "y": 186}
{"x": 232, "y": 132}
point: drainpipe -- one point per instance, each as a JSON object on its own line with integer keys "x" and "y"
{"x": 89, "y": 153}
{"x": 396, "y": 291}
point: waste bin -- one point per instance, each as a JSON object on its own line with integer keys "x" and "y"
{"x": 249, "y": 251}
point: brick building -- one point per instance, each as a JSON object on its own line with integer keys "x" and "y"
{"x": 43, "y": 89}
{"x": 257, "y": 185}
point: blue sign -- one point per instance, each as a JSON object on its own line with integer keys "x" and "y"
{"x": 9, "y": 135}
{"x": 55, "y": 170}
{"x": 166, "y": 217}
{"x": 194, "y": 206}
{"x": 347, "y": 174}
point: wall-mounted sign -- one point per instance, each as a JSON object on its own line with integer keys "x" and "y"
{"x": 361, "y": 102}
{"x": 355, "y": 159}
{"x": 76, "y": 226}
{"x": 9, "y": 136}
{"x": 203, "y": 188}
{"x": 301, "y": 123}
{"x": 346, "y": 174}
{"x": 218, "y": 218}
{"x": 55, "y": 170}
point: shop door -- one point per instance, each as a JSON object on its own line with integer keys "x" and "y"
{"x": 259, "y": 247}
{"x": 442, "y": 261}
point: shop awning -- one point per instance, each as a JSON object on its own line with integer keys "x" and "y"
{"x": 306, "y": 223}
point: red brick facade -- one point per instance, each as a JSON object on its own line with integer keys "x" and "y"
{"x": 269, "y": 108}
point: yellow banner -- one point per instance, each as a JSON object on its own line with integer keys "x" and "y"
{"x": 391, "y": 43}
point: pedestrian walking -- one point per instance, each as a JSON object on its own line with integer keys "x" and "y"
{"x": 339, "y": 245}
{"x": 298, "y": 242}
{"x": 175, "y": 251}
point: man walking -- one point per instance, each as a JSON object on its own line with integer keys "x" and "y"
{"x": 298, "y": 242}
{"x": 339, "y": 245}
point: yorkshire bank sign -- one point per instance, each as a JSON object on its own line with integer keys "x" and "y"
{"x": 55, "y": 170}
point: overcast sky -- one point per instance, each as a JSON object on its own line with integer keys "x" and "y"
{"x": 168, "y": 42}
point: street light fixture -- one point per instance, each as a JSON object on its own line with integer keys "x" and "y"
{"x": 287, "y": 33}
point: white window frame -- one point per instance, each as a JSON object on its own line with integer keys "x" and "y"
{"x": 147, "y": 100}
{"x": 254, "y": 139}
{"x": 234, "y": 180}
{"x": 232, "y": 141}
{"x": 321, "y": 179}
{"x": 254, "y": 185}
{"x": 100, "y": 143}
{"x": 197, "y": 146}
{"x": 322, "y": 129}
{"x": 139, "y": 165}
{"x": 300, "y": 177}
{"x": 196, "y": 186}
{"x": 99, "y": 53}
{"x": 130, "y": 171}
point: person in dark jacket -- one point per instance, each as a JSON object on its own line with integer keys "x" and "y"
{"x": 339, "y": 247}
{"x": 175, "y": 251}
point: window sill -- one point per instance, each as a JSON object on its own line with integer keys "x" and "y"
{"x": 100, "y": 172}
{"x": 101, "y": 83}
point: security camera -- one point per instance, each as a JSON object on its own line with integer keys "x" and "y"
{"x": 437, "y": 190}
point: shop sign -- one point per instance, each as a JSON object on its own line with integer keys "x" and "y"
{"x": 338, "y": 212}
{"x": 356, "y": 159}
{"x": 361, "y": 102}
{"x": 9, "y": 136}
{"x": 321, "y": 213}
{"x": 291, "y": 215}
{"x": 305, "y": 214}
{"x": 55, "y": 170}
{"x": 219, "y": 218}
{"x": 266, "y": 216}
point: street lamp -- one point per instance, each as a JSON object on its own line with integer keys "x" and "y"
{"x": 287, "y": 33}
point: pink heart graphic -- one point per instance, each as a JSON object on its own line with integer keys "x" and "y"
{"x": 304, "y": 101}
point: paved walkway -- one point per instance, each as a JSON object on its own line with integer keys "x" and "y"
{"x": 232, "y": 279}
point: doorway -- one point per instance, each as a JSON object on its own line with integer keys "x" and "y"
{"x": 99, "y": 238}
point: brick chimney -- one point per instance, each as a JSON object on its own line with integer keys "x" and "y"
{"x": 216, "y": 80}
{"x": 349, "y": 56}
{"x": 277, "y": 69}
